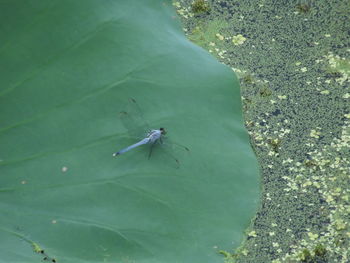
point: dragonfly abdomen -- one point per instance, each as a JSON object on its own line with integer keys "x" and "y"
{"x": 143, "y": 141}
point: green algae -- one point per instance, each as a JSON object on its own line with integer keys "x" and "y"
{"x": 294, "y": 72}
{"x": 207, "y": 33}
{"x": 200, "y": 6}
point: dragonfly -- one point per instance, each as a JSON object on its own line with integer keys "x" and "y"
{"x": 135, "y": 123}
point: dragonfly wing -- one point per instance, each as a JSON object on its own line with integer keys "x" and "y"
{"x": 172, "y": 151}
{"x": 133, "y": 120}
{"x": 168, "y": 143}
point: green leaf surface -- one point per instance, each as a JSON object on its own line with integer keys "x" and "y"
{"x": 67, "y": 70}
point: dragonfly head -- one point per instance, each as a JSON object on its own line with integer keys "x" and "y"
{"x": 162, "y": 130}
